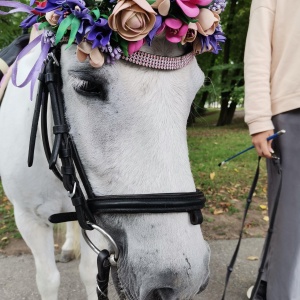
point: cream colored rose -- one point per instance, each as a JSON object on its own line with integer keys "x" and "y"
{"x": 207, "y": 21}
{"x": 85, "y": 50}
{"x": 132, "y": 19}
{"x": 190, "y": 35}
{"x": 52, "y": 18}
{"x": 163, "y": 6}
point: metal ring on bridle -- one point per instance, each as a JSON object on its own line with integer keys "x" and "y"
{"x": 114, "y": 256}
{"x": 70, "y": 195}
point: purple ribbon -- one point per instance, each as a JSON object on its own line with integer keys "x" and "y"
{"x": 34, "y": 72}
{"x": 18, "y": 7}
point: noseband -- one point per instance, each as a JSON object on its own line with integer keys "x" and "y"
{"x": 50, "y": 84}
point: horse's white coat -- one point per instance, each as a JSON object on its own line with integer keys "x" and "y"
{"x": 132, "y": 140}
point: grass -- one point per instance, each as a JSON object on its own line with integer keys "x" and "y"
{"x": 8, "y": 229}
{"x": 209, "y": 145}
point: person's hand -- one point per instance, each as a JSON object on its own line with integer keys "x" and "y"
{"x": 262, "y": 146}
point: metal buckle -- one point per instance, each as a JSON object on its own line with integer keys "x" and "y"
{"x": 114, "y": 255}
{"x": 70, "y": 195}
{"x": 54, "y": 58}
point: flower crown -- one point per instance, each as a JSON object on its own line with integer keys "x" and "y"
{"x": 120, "y": 27}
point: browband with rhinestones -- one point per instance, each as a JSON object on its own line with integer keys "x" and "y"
{"x": 159, "y": 62}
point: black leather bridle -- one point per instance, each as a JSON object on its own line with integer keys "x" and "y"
{"x": 50, "y": 86}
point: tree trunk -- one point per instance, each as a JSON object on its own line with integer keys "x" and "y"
{"x": 230, "y": 113}
{"x": 201, "y": 106}
{"x": 192, "y": 116}
{"x": 225, "y": 96}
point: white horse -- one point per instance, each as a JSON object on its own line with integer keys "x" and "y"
{"x": 130, "y": 132}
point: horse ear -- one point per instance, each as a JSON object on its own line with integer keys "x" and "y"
{"x": 7, "y": 57}
{"x": 9, "y": 54}
{"x": 34, "y": 33}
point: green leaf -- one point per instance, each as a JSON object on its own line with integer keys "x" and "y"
{"x": 96, "y": 13}
{"x": 43, "y": 25}
{"x": 74, "y": 29}
{"x": 151, "y": 1}
{"x": 90, "y": 3}
{"x": 124, "y": 46}
{"x": 63, "y": 27}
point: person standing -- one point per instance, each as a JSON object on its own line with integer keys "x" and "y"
{"x": 272, "y": 103}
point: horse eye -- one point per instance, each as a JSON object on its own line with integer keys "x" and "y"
{"x": 89, "y": 88}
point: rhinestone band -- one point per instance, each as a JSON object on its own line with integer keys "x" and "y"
{"x": 159, "y": 62}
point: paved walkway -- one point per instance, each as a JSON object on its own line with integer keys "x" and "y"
{"x": 17, "y": 274}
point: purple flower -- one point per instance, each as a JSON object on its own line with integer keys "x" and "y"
{"x": 63, "y": 5}
{"x": 50, "y": 5}
{"x": 218, "y": 5}
{"x": 86, "y": 23}
{"x": 212, "y": 42}
{"x": 49, "y": 37}
{"x": 100, "y": 33}
{"x": 112, "y": 54}
{"x": 29, "y": 21}
{"x": 154, "y": 30}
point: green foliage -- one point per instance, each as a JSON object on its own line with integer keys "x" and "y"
{"x": 8, "y": 229}
{"x": 9, "y": 26}
{"x": 208, "y": 146}
{"x": 235, "y": 25}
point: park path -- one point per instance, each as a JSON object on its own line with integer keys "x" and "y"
{"x": 17, "y": 274}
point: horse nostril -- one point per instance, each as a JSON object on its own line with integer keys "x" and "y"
{"x": 162, "y": 294}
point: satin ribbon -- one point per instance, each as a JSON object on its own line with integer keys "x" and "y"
{"x": 18, "y": 7}
{"x": 34, "y": 72}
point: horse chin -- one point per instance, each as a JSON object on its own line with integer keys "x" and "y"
{"x": 117, "y": 284}
{"x": 149, "y": 271}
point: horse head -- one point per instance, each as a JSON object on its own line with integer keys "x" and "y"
{"x": 129, "y": 126}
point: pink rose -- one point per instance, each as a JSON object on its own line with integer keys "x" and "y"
{"x": 175, "y": 30}
{"x": 190, "y": 7}
{"x": 135, "y": 46}
{"x": 132, "y": 19}
{"x": 204, "y": 2}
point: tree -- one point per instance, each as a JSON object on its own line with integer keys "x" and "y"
{"x": 225, "y": 70}
{"x": 232, "y": 76}
{"x": 9, "y": 26}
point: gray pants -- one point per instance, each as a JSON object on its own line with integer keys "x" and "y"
{"x": 283, "y": 263}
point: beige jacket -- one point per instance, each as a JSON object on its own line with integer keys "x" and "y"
{"x": 272, "y": 62}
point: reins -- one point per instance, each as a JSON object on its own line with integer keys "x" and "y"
{"x": 64, "y": 148}
{"x": 276, "y": 161}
